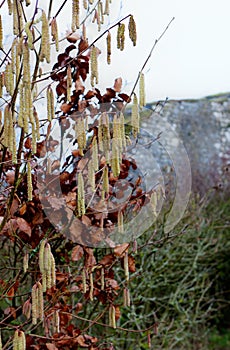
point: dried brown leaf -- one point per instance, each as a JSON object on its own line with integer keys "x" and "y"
{"x": 77, "y": 253}
{"x": 117, "y": 84}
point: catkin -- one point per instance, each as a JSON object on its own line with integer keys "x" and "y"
{"x": 112, "y": 316}
{"x": 9, "y": 79}
{"x": 94, "y": 66}
{"x": 85, "y": 4}
{"x": 105, "y": 180}
{"x": 69, "y": 83}
{"x": 54, "y": 33}
{"x": 122, "y": 130}
{"x": 126, "y": 266}
{"x": 80, "y": 135}
{"x": 102, "y": 278}
{"x": 80, "y": 196}
{"x": 91, "y": 175}
{"x": 95, "y": 162}
{"x": 121, "y": 36}
{"x": 29, "y": 35}
{"x": 106, "y": 10}
{"x": 10, "y": 7}
{"x": 108, "y": 42}
{"x": 91, "y": 287}
{"x": 45, "y": 40}
{"x": 1, "y": 33}
{"x": 56, "y": 322}
{"x": 1, "y": 83}
{"x": 84, "y": 281}
{"x": 126, "y": 297}
{"x": 135, "y": 118}
{"x": 34, "y": 302}
{"x": 75, "y": 15}
{"x": 40, "y": 313}
{"x": 104, "y": 135}
{"x": 0, "y": 340}
{"x": 84, "y": 36}
{"x": 100, "y": 12}
{"x": 142, "y": 101}
{"x": 50, "y": 103}
{"x": 132, "y": 30}
{"x": 6, "y": 126}
{"x": 115, "y": 161}
{"x": 25, "y": 262}
{"x": 120, "y": 222}
{"x": 29, "y": 182}
{"x": 153, "y": 202}
{"x": 17, "y": 17}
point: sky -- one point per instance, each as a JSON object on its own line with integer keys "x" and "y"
{"x": 192, "y": 60}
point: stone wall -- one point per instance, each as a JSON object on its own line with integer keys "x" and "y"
{"x": 204, "y": 128}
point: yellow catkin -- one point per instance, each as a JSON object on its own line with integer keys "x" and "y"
{"x": 142, "y": 101}
{"x": 50, "y": 103}
{"x": 105, "y": 180}
{"x": 28, "y": 2}
{"x": 95, "y": 155}
{"x": 17, "y": 17}
{"x": 53, "y": 271}
{"x": 102, "y": 278}
{"x": 115, "y": 160}
{"x": 108, "y": 42}
{"x": 29, "y": 35}
{"x": 1, "y": 84}
{"x": 126, "y": 266}
{"x": 1, "y": 33}
{"x": 41, "y": 255}
{"x": 5, "y": 140}
{"x": 10, "y": 7}
{"x": 54, "y": 33}
{"x": 37, "y": 124}
{"x": 80, "y": 196}
{"x": 0, "y": 120}
{"x": 120, "y": 222}
{"x": 29, "y": 183}
{"x": 45, "y": 40}
{"x": 123, "y": 138}
{"x": 112, "y": 316}
{"x": 84, "y": 287}
{"x": 0, "y": 340}
{"x": 117, "y": 133}
{"x": 85, "y": 4}
{"x": 22, "y": 341}
{"x": 40, "y": 301}
{"x": 91, "y": 286}
{"x": 94, "y": 66}
{"x": 56, "y": 322}
{"x": 69, "y": 83}
{"x": 25, "y": 262}
{"x": 9, "y": 79}
{"x": 132, "y": 30}
{"x": 100, "y": 12}
{"x": 126, "y": 297}
{"x": 91, "y": 175}
{"x": 80, "y": 135}
{"x": 106, "y": 10}
{"x": 84, "y": 36}
{"x": 34, "y": 302}
{"x": 44, "y": 281}
{"x": 75, "y": 15}
{"x": 105, "y": 135}
{"x": 91, "y": 2}
{"x": 46, "y": 256}
{"x": 135, "y": 118}
{"x": 121, "y": 36}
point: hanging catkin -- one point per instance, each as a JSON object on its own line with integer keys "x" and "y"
{"x": 142, "y": 90}
{"x": 80, "y": 195}
{"x": 10, "y": 7}
{"x": 112, "y": 316}
{"x": 80, "y": 135}
{"x": 94, "y": 66}
{"x": 19, "y": 340}
{"x": 95, "y": 155}
{"x": 50, "y": 103}
{"x": 47, "y": 266}
{"x": 17, "y": 17}
{"x": 69, "y": 83}
{"x": 1, "y": 33}
{"x": 121, "y": 36}
{"x": 29, "y": 182}
{"x": 91, "y": 175}
{"x": 135, "y": 118}
{"x": 132, "y": 30}
{"x": 45, "y": 40}
{"x": 75, "y": 15}
{"x": 106, "y": 10}
{"x": 54, "y": 33}
{"x": 108, "y": 42}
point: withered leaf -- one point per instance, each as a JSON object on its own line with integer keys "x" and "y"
{"x": 77, "y": 253}
{"x": 107, "y": 260}
{"x": 51, "y": 346}
{"x": 117, "y": 84}
{"x": 10, "y": 311}
{"x": 131, "y": 263}
{"x": 125, "y": 97}
{"x": 120, "y": 250}
{"x": 83, "y": 45}
{"x": 73, "y": 37}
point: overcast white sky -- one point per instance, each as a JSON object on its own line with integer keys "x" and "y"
{"x": 193, "y": 58}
